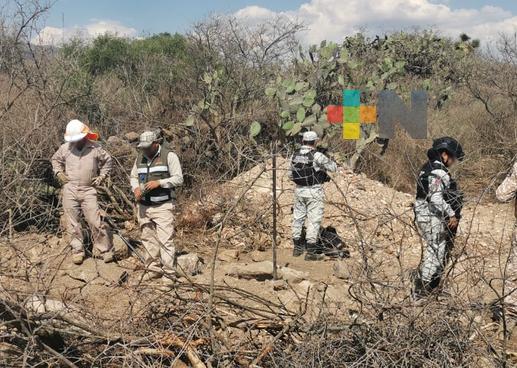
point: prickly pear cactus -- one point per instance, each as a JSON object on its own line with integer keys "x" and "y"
{"x": 369, "y": 135}
{"x": 401, "y": 62}
{"x": 296, "y": 100}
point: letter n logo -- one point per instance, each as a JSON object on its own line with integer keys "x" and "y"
{"x": 392, "y": 110}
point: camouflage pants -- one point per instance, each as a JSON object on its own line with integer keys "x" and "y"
{"x": 433, "y": 230}
{"x": 309, "y": 203}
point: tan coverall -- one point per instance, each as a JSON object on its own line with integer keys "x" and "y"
{"x": 157, "y": 221}
{"x": 505, "y": 193}
{"x": 79, "y": 195}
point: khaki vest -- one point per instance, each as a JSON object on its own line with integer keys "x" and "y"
{"x": 157, "y": 169}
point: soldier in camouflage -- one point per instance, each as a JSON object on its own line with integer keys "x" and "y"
{"x": 437, "y": 211}
{"x": 309, "y": 169}
{"x": 505, "y": 193}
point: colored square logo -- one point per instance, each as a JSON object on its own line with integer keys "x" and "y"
{"x": 335, "y": 114}
{"x": 368, "y": 114}
{"x": 351, "y": 114}
{"x": 351, "y": 97}
{"x": 352, "y": 131}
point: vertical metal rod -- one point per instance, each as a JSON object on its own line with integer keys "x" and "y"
{"x": 275, "y": 276}
{"x": 10, "y": 223}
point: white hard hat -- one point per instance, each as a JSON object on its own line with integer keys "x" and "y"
{"x": 310, "y": 136}
{"x": 77, "y": 130}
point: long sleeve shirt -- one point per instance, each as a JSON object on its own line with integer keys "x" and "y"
{"x": 322, "y": 162}
{"x": 508, "y": 188}
{"x": 439, "y": 182}
{"x": 81, "y": 166}
{"x": 174, "y": 166}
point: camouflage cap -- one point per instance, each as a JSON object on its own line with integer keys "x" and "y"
{"x": 147, "y": 139}
{"x": 310, "y": 136}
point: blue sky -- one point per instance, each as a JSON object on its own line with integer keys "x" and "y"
{"x": 153, "y": 15}
{"x": 326, "y": 19}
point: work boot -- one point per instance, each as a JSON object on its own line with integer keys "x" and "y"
{"x": 169, "y": 280}
{"x": 314, "y": 253}
{"x": 421, "y": 289}
{"x": 108, "y": 256}
{"x": 78, "y": 258}
{"x": 299, "y": 247}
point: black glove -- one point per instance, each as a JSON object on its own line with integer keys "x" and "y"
{"x": 323, "y": 150}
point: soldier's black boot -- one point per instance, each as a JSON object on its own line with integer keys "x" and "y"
{"x": 418, "y": 289}
{"x": 314, "y": 253}
{"x": 299, "y": 247}
{"x": 421, "y": 289}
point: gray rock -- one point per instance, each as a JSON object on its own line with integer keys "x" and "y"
{"x": 96, "y": 272}
{"x": 131, "y": 136}
{"x": 228, "y": 255}
{"x": 258, "y": 256}
{"x": 120, "y": 248}
{"x": 304, "y": 286}
{"x": 277, "y": 284}
{"x": 291, "y": 275}
{"x": 340, "y": 270}
{"x": 86, "y": 272}
{"x": 189, "y": 264}
{"x": 114, "y": 140}
{"x": 335, "y": 293}
{"x": 260, "y": 271}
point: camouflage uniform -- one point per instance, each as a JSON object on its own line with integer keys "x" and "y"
{"x": 432, "y": 210}
{"x": 309, "y": 200}
{"x": 505, "y": 193}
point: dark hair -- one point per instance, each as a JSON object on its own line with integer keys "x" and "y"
{"x": 434, "y": 155}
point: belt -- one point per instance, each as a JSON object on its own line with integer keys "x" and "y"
{"x": 156, "y": 200}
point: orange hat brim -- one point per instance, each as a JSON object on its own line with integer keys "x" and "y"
{"x": 92, "y": 136}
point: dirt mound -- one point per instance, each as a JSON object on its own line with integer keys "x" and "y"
{"x": 359, "y": 208}
{"x": 249, "y": 308}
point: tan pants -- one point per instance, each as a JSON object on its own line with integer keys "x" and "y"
{"x": 157, "y": 227}
{"x": 77, "y": 199}
{"x": 511, "y": 281}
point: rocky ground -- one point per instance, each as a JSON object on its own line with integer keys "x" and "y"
{"x": 374, "y": 221}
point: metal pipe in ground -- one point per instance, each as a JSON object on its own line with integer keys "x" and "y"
{"x": 275, "y": 276}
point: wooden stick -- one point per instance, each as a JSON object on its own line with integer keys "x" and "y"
{"x": 269, "y": 346}
{"x": 152, "y": 351}
{"x": 192, "y": 354}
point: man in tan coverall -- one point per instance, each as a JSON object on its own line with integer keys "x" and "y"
{"x": 154, "y": 177}
{"x": 80, "y": 165}
{"x": 505, "y": 193}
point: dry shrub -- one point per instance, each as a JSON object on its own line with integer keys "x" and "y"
{"x": 399, "y": 165}
{"x": 463, "y": 118}
{"x": 437, "y": 336}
